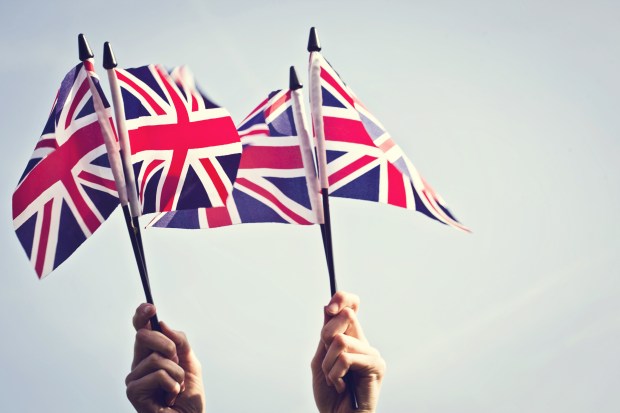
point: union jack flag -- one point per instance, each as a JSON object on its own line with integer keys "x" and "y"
{"x": 271, "y": 182}
{"x": 67, "y": 189}
{"x": 185, "y": 149}
{"x": 363, "y": 162}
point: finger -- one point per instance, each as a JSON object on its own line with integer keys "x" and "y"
{"x": 187, "y": 359}
{"x": 143, "y": 314}
{"x": 155, "y": 362}
{"x": 317, "y": 360}
{"x": 148, "y": 341}
{"x": 342, "y": 300}
{"x": 368, "y": 365}
{"x": 344, "y": 344}
{"x": 178, "y": 338}
{"x": 345, "y": 322}
{"x": 143, "y": 391}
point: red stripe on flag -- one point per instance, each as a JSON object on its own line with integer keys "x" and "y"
{"x": 158, "y": 110}
{"x": 262, "y": 131}
{"x": 146, "y": 175}
{"x": 56, "y": 166}
{"x": 187, "y": 135}
{"x": 276, "y": 105}
{"x": 194, "y": 102}
{"x": 44, "y": 237}
{"x": 86, "y": 213}
{"x": 96, "y": 179}
{"x": 268, "y": 195}
{"x": 47, "y": 143}
{"x": 350, "y": 168}
{"x": 346, "y": 130}
{"x": 113, "y": 129}
{"x": 329, "y": 79}
{"x": 387, "y": 145}
{"x": 175, "y": 95}
{"x": 432, "y": 198}
{"x": 84, "y": 87}
{"x": 215, "y": 178}
{"x": 275, "y": 157}
{"x": 396, "y": 187}
{"x": 254, "y": 111}
{"x": 217, "y": 217}
{"x": 431, "y": 203}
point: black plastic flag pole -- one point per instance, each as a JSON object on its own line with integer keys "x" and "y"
{"x": 314, "y": 46}
{"x": 128, "y": 205}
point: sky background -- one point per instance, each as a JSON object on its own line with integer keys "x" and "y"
{"x": 509, "y": 109}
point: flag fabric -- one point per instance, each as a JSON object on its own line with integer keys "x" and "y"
{"x": 271, "y": 182}
{"x": 67, "y": 189}
{"x": 363, "y": 162}
{"x": 185, "y": 149}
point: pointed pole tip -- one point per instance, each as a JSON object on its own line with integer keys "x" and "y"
{"x": 294, "y": 83}
{"x": 109, "y": 60}
{"x": 313, "y": 41}
{"x": 84, "y": 49}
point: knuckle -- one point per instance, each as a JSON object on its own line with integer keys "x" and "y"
{"x": 325, "y": 367}
{"x": 333, "y": 375}
{"x": 130, "y": 391}
{"x": 160, "y": 375}
{"x": 348, "y": 313}
{"x": 141, "y": 335}
{"x": 326, "y": 336}
{"x": 169, "y": 348}
{"x": 155, "y": 359}
{"x": 340, "y": 342}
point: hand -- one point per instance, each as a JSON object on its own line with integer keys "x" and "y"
{"x": 166, "y": 376}
{"x": 343, "y": 348}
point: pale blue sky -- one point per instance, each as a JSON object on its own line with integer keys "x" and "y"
{"x": 510, "y": 110}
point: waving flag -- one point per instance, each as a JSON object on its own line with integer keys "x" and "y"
{"x": 271, "y": 182}
{"x": 68, "y": 188}
{"x": 363, "y": 162}
{"x": 185, "y": 149}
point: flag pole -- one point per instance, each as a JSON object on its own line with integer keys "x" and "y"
{"x": 312, "y": 181}
{"x": 314, "y": 188}
{"x": 131, "y": 207}
{"x": 305, "y": 142}
{"x": 316, "y": 99}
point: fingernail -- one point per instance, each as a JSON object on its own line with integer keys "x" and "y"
{"x": 146, "y": 310}
{"x": 332, "y": 308}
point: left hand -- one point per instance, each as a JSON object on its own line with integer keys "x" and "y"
{"x": 166, "y": 376}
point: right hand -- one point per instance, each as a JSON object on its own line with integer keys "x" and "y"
{"x": 343, "y": 349}
{"x": 166, "y": 376}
